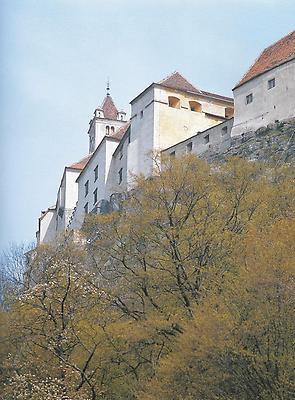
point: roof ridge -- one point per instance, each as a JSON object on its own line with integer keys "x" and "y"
{"x": 177, "y": 81}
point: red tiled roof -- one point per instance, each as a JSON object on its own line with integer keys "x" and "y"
{"x": 109, "y": 108}
{"x": 178, "y": 82}
{"x": 274, "y": 55}
{"x": 121, "y": 132}
{"x": 81, "y": 164}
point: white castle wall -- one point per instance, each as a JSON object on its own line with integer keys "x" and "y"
{"x": 268, "y": 105}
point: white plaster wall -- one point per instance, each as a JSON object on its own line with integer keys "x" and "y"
{"x": 71, "y": 193}
{"x": 118, "y": 161}
{"x": 47, "y": 230}
{"x": 102, "y": 158}
{"x": 142, "y": 136}
{"x": 268, "y": 105}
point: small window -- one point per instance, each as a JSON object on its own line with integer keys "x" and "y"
{"x": 120, "y": 153}
{"x": 95, "y": 173}
{"x": 271, "y": 83}
{"x": 121, "y": 117}
{"x": 107, "y": 130}
{"x": 206, "y": 139}
{"x": 249, "y": 98}
{"x": 95, "y": 196}
{"x": 120, "y": 173}
{"x": 189, "y": 147}
{"x": 86, "y": 208}
{"x": 172, "y": 154}
{"x": 141, "y": 114}
{"x": 173, "y": 102}
{"x": 112, "y": 129}
{"x": 86, "y": 187}
{"x": 224, "y": 131}
{"x": 129, "y": 138}
{"x": 195, "y": 106}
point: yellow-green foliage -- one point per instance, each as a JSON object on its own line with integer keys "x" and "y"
{"x": 186, "y": 293}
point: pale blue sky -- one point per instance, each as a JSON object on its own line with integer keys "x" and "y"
{"x": 55, "y": 59}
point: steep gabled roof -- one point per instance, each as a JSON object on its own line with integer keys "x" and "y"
{"x": 109, "y": 108}
{"x": 178, "y": 82}
{"x": 278, "y": 53}
{"x": 80, "y": 164}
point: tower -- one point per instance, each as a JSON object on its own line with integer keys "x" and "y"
{"x": 105, "y": 122}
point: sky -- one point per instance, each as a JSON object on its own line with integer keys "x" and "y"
{"x": 56, "y": 56}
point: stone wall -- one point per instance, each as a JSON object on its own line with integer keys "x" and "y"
{"x": 276, "y": 142}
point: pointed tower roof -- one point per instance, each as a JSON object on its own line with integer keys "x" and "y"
{"x": 178, "y": 82}
{"x": 109, "y": 108}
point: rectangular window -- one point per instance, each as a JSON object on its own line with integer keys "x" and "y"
{"x": 172, "y": 154}
{"x": 224, "y": 131}
{"x": 206, "y": 139}
{"x": 141, "y": 114}
{"x": 95, "y": 196}
{"x": 120, "y": 173}
{"x": 249, "y": 98}
{"x": 86, "y": 208}
{"x": 95, "y": 173}
{"x": 86, "y": 186}
{"x": 189, "y": 147}
{"x": 271, "y": 83}
{"x": 129, "y": 138}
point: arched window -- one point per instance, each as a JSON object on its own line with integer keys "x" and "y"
{"x": 107, "y": 130}
{"x": 112, "y": 129}
{"x": 229, "y": 112}
{"x": 173, "y": 102}
{"x": 195, "y": 106}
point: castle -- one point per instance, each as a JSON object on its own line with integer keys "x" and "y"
{"x": 174, "y": 117}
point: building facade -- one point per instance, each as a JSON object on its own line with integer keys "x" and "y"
{"x": 174, "y": 117}
{"x": 266, "y": 93}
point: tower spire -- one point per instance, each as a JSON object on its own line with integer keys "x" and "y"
{"x": 108, "y": 86}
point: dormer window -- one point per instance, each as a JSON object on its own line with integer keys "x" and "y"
{"x": 174, "y": 102}
{"x": 195, "y": 106}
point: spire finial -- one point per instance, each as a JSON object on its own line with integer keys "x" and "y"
{"x": 108, "y": 86}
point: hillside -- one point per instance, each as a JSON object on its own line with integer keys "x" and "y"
{"x": 275, "y": 142}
